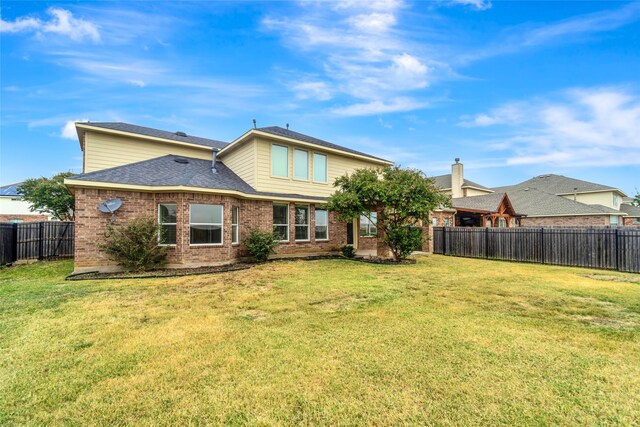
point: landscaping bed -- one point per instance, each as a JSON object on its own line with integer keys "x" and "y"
{"x": 177, "y": 272}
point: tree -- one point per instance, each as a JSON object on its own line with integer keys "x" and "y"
{"x": 49, "y": 195}
{"x": 636, "y": 199}
{"x": 400, "y": 197}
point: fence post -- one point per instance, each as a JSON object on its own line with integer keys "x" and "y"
{"x": 486, "y": 242}
{"x": 617, "y": 250}
{"x": 444, "y": 240}
{"x": 40, "y": 241}
{"x": 14, "y": 241}
{"x": 542, "y": 243}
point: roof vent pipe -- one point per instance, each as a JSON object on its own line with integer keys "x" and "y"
{"x": 575, "y": 194}
{"x": 254, "y": 124}
{"x": 213, "y": 161}
{"x": 287, "y": 126}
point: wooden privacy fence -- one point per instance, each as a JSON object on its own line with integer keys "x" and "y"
{"x": 605, "y": 248}
{"x": 35, "y": 240}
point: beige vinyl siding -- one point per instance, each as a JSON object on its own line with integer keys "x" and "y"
{"x": 469, "y": 192}
{"x": 604, "y": 198}
{"x": 242, "y": 162}
{"x": 337, "y": 165}
{"x": 104, "y": 151}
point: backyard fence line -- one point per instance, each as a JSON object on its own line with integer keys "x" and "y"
{"x": 36, "y": 240}
{"x": 601, "y": 248}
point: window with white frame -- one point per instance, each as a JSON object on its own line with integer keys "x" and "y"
{"x": 368, "y": 226}
{"x": 167, "y": 222}
{"x": 205, "y": 224}
{"x": 281, "y": 221}
{"x": 280, "y": 161}
{"x": 615, "y": 201}
{"x": 434, "y": 222}
{"x": 235, "y": 231}
{"x": 302, "y": 222}
{"x": 300, "y": 164}
{"x": 319, "y": 167}
{"x": 322, "y": 224}
{"x": 613, "y": 220}
{"x": 447, "y": 222}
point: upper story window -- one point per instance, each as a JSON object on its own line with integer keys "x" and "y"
{"x": 167, "y": 219}
{"x": 300, "y": 164}
{"x": 319, "y": 167}
{"x": 279, "y": 161}
{"x": 281, "y": 221}
{"x": 205, "y": 224}
{"x": 615, "y": 201}
{"x": 368, "y": 226}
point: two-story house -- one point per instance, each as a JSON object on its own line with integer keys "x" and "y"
{"x": 208, "y": 195}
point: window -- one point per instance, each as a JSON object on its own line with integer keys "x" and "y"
{"x": 302, "y": 223}
{"x": 434, "y": 222}
{"x": 613, "y": 220}
{"x": 615, "y": 201}
{"x": 502, "y": 223}
{"x": 205, "y": 224}
{"x": 279, "y": 161}
{"x": 447, "y": 222}
{"x": 319, "y": 167}
{"x": 281, "y": 221}
{"x": 300, "y": 164}
{"x": 322, "y": 224}
{"x": 368, "y": 227}
{"x": 167, "y": 221}
{"x": 235, "y": 232}
{"x": 16, "y": 221}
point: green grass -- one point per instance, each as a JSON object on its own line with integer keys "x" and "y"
{"x": 448, "y": 341}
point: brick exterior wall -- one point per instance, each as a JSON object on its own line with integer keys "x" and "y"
{"x": 25, "y": 218}
{"x": 631, "y": 222}
{"x": 572, "y": 221}
{"x": 91, "y": 225}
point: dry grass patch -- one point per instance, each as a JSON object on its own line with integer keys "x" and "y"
{"x": 448, "y": 341}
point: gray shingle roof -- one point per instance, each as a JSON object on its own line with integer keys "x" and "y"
{"x": 277, "y": 130}
{"x": 631, "y": 210}
{"x": 166, "y": 172}
{"x": 558, "y": 184}
{"x": 486, "y": 202}
{"x": 141, "y": 130}
{"x": 444, "y": 182}
{"x": 10, "y": 190}
{"x": 534, "y": 202}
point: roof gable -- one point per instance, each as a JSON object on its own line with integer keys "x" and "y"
{"x": 558, "y": 184}
{"x": 494, "y": 202}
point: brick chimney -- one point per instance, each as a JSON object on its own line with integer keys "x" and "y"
{"x": 457, "y": 178}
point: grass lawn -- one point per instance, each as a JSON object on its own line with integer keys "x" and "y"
{"x": 448, "y": 341}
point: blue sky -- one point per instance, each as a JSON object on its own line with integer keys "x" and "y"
{"x": 515, "y": 89}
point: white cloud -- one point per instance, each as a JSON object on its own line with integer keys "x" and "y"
{"x": 313, "y": 90}
{"x": 584, "y": 127}
{"x": 137, "y": 82}
{"x": 379, "y": 107}
{"x": 62, "y": 22}
{"x": 373, "y": 21}
{"x": 475, "y": 4}
{"x": 68, "y": 131}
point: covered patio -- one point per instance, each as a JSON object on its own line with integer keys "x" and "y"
{"x": 490, "y": 210}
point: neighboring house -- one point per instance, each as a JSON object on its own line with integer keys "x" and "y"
{"x": 545, "y": 200}
{"x": 632, "y": 211}
{"x": 208, "y": 194}
{"x": 14, "y": 209}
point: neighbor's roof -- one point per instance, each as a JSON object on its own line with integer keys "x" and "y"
{"x": 486, "y": 202}
{"x": 533, "y": 202}
{"x": 558, "y": 184}
{"x": 631, "y": 210}
{"x": 10, "y": 190}
{"x": 286, "y": 133}
{"x": 444, "y": 182}
{"x": 165, "y": 171}
{"x": 156, "y": 133}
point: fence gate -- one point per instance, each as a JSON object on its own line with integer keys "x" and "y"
{"x": 36, "y": 240}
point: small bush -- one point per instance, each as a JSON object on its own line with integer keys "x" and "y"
{"x": 348, "y": 251}
{"x": 261, "y": 244}
{"x": 407, "y": 239}
{"x": 134, "y": 245}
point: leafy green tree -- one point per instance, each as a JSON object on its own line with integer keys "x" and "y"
{"x": 636, "y": 199}
{"x": 49, "y": 195}
{"x": 400, "y": 197}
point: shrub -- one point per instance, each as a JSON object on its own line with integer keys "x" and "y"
{"x": 261, "y": 244}
{"x": 134, "y": 245}
{"x": 407, "y": 239}
{"x": 348, "y": 251}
